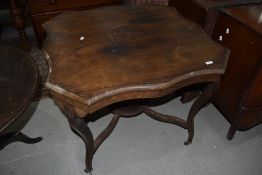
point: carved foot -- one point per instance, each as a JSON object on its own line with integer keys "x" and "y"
{"x": 187, "y": 143}
{"x": 81, "y": 128}
{"x": 201, "y": 101}
{"x": 18, "y": 137}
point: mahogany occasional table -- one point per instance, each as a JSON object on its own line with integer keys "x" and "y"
{"x": 116, "y": 54}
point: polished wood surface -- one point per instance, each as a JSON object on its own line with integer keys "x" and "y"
{"x": 18, "y": 82}
{"x": 111, "y": 56}
{"x": 239, "y": 97}
{"x": 119, "y": 48}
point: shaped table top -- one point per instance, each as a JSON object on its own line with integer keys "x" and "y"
{"x": 109, "y": 54}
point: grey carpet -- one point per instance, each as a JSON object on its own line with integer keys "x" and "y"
{"x": 138, "y": 145}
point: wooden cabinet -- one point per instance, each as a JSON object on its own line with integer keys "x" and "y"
{"x": 239, "y": 97}
{"x": 204, "y": 12}
{"x": 238, "y": 27}
{"x": 43, "y": 10}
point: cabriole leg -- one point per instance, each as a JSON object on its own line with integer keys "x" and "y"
{"x": 201, "y": 101}
{"x": 81, "y": 128}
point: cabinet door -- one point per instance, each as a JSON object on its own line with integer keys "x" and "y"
{"x": 253, "y": 97}
{"x": 243, "y": 43}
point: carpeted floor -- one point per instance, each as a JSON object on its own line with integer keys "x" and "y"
{"x": 137, "y": 146}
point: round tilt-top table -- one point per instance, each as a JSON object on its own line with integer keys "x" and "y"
{"x": 109, "y": 56}
{"x": 18, "y": 83}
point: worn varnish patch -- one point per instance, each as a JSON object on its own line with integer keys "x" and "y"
{"x": 127, "y": 33}
{"x": 147, "y": 18}
{"x": 118, "y": 49}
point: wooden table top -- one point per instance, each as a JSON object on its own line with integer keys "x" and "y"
{"x": 18, "y": 82}
{"x": 110, "y": 54}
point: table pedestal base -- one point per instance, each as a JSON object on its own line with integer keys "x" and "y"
{"x": 81, "y": 128}
{"x": 17, "y": 137}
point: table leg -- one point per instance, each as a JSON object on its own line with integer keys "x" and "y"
{"x": 18, "y": 16}
{"x": 104, "y": 134}
{"x": 189, "y": 96}
{"x": 17, "y": 137}
{"x": 231, "y": 132}
{"x": 79, "y": 125}
{"x": 201, "y": 101}
{"x": 81, "y": 128}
